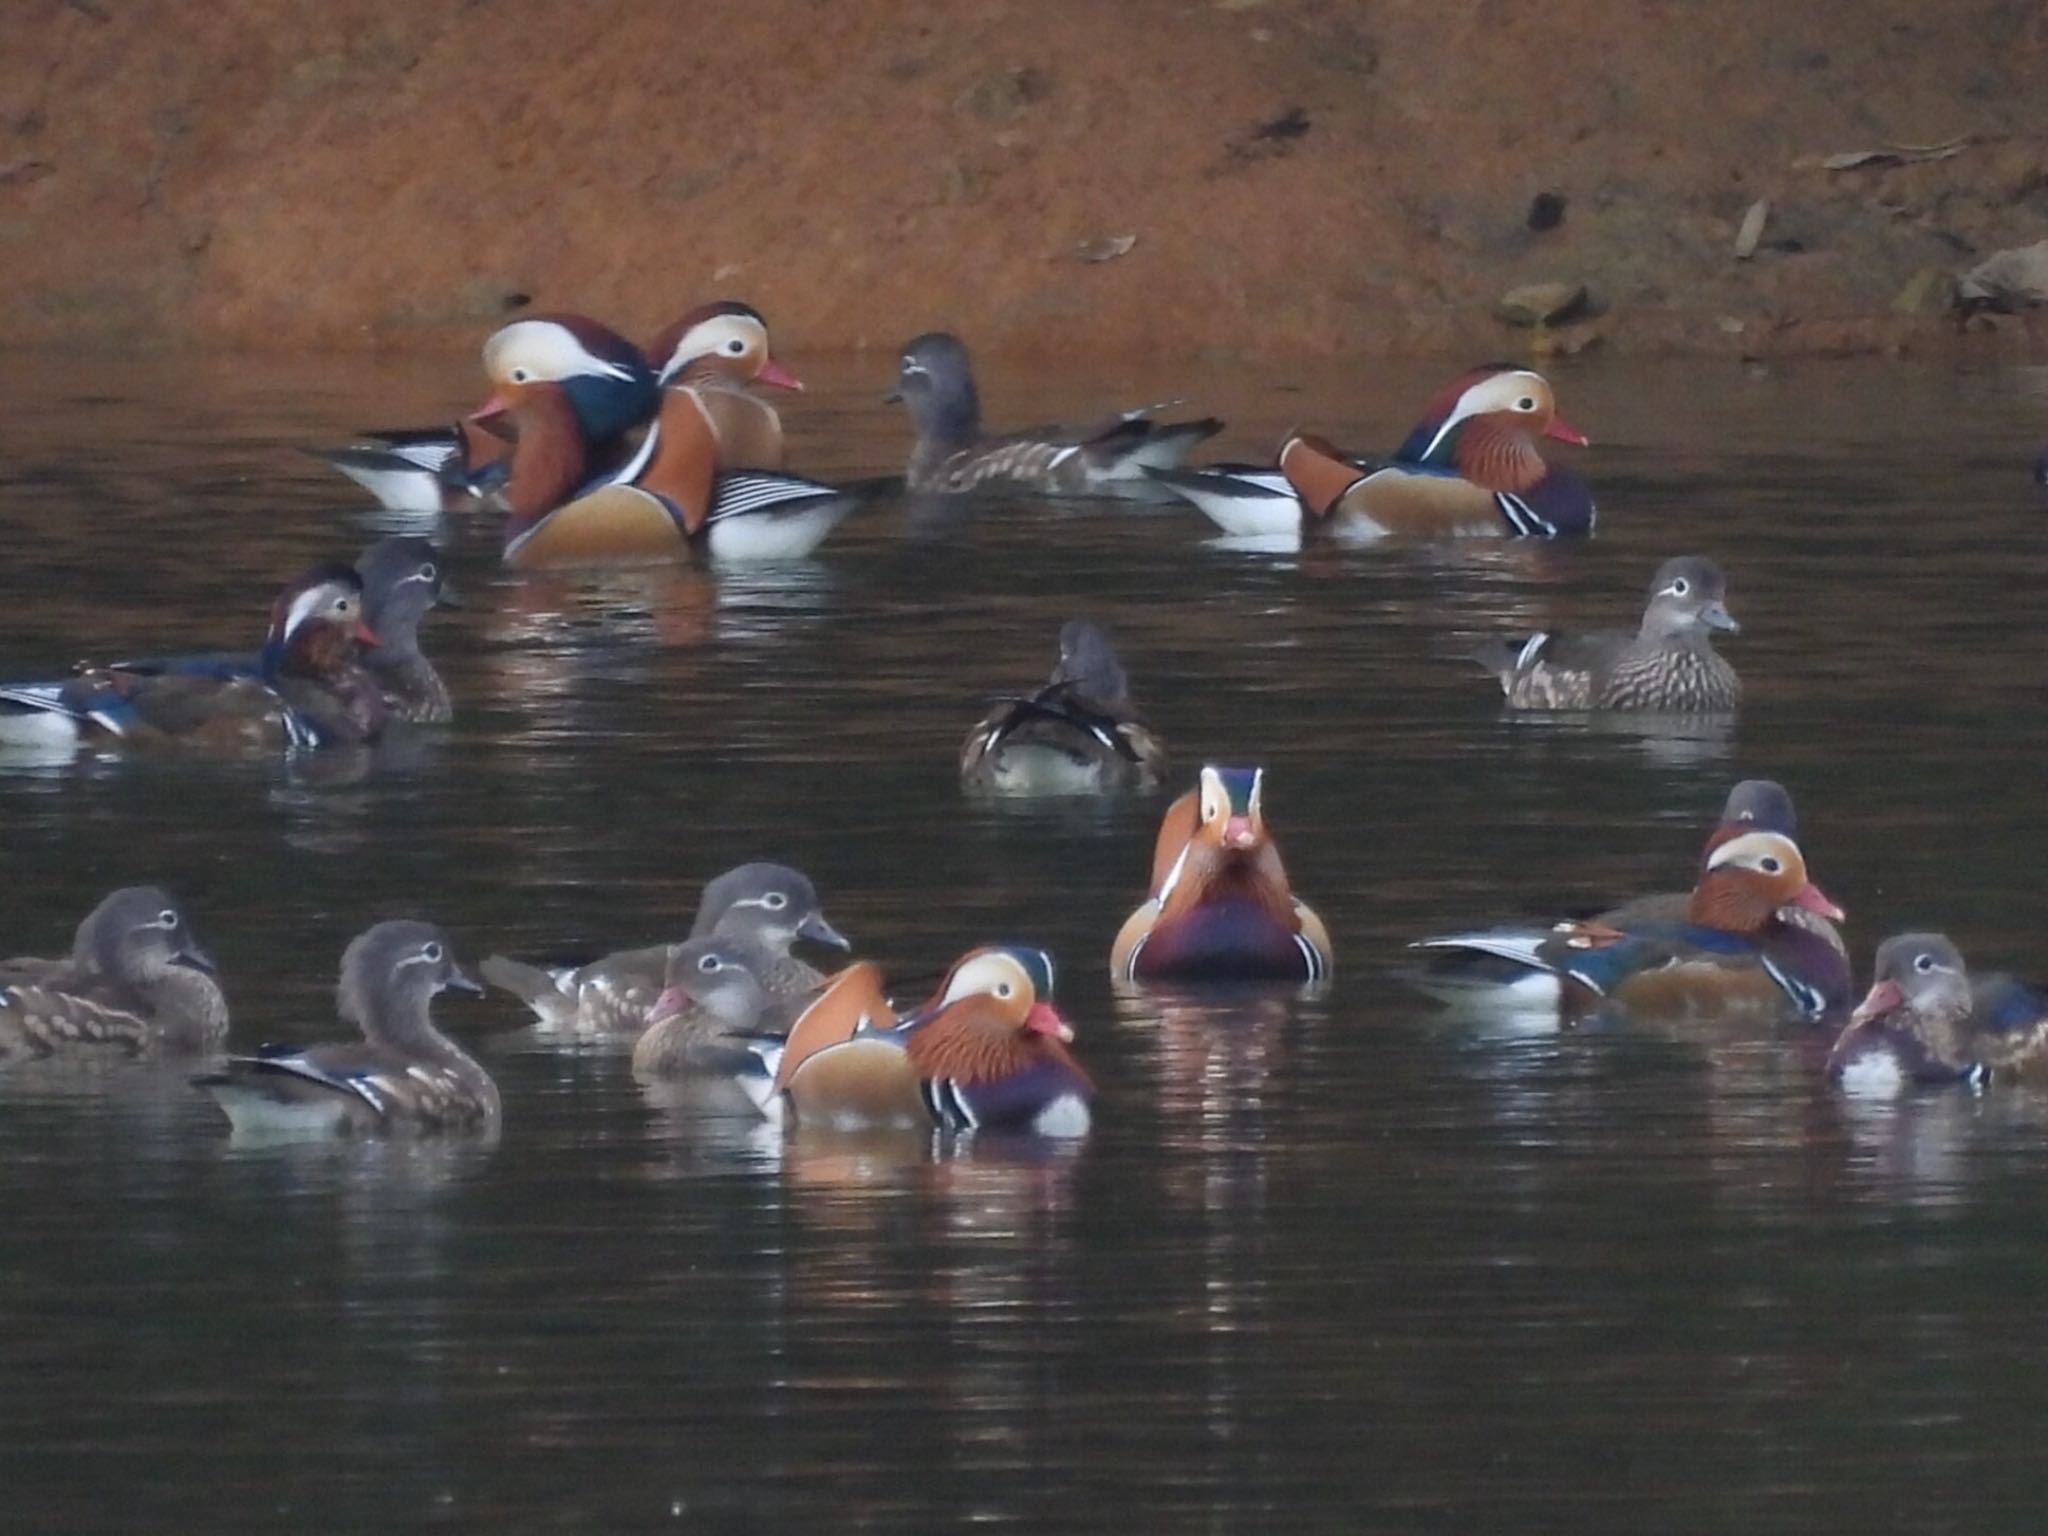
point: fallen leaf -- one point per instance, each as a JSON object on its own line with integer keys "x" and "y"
{"x": 1888, "y": 154}
{"x": 1752, "y": 228}
{"x": 1108, "y": 248}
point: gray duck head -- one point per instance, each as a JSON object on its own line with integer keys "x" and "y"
{"x": 402, "y": 582}
{"x": 1088, "y": 661}
{"x": 935, "y": 380}
{"x": 1764, "y": 804}
{"x": 389, "y": 975}
{"x": 137, "y": 934}
{"x": 1687, "y": 597}
{"x": 770, "y": 905}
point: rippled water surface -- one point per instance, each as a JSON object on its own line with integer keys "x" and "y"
{"x": 1346, "y": 1262}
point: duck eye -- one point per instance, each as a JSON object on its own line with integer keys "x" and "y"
{"x": 1771, "y": 866}
{"x": 1004, "y": 989}
{"x": 1923, "y": 963}
{"x": 1679, "y": 587}
{"x": 167, "y": 918}
{"x": 708, "y": 963}
{"x": 736, "y": 346}
{"x": 520, "y": 376}
{"x": 431, "y": 952}
{"x": 1525, "y": 404}
{"x": 775, "y": 901}
{"x": 428, "y": 573}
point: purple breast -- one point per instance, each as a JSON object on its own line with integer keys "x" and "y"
{"x": 1011, "y": 1102}
{"x": 1226, "y": 940}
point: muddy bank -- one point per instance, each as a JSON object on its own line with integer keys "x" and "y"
{"x": 1200, "y": 177}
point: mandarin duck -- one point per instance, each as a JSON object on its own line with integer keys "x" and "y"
{"x": 427, "y": 469}
{"x": 1732, "y": 957}
{"x": 309, "y": 688}
{"x": 401, "y": 579}
{"x": 987, "y": 1052}
{"x": 1076, "y": 735}
{"x": 710, "y": 1015}
{"x": 136, "y": 979}
{"x": 404, "y": 1075}
{"x": 1927, "y": 1020}
{"x": 1470, "y": 467}
{"x": 670, "y": 499}
{"x": 1753, "y": 805}
{"x": 1221, "y": 908}
{"x": 717, "y": 350}
{"x": 762, "y": 909}
{"x": 1108, "y": 458}
{"x": 1668, "y": 663}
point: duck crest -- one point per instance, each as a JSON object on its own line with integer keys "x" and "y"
{"x": 1433, "y": 437}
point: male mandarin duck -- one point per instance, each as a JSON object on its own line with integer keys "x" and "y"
{"x": 1927, "y": 1020}
{"x": 404, "y": 1075}
{"x": 402, "y": 581}
{"x": 953, "y": 454}
{"x": 761, "y": 909}
{"x": 427, "y": 469}
{"x": 669, "y": 499}
{"x": 136, "y": 979}
{"x": 716, "y": 351}
{"x": 1470, "y": 467}
{"x": 309, "y": 688}
{"x": 1076, "y": 735}
{"x": 1668, "y": 663}
{"x": 1733, "y": 956}
{"x": 1221, "y": 908}
{"x": 711, "y": 1014}
{"x": 988, "y": 1052}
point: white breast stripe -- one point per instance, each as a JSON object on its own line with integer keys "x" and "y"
{"x": 1311, "y": 954}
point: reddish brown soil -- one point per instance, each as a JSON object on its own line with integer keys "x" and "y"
{"x": 1335, "y": 176}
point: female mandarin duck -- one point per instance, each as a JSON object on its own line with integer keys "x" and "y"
{"x": 716, "y": 351}
{"x": 1220, "y": 908}
{"x": 1668, "y": 663}
{"x": 711, "y": 1015}
{"x": 761, "y": 909}
{"x": 403, "y": 1075}
{"x": 1927, "y": 1020}
{"x": 309, "y": 689}
{"x": 1732, "y": 957}
{"x": 1076, "y": 735}
{"x": 136, "y": 979}
{"x": 988, "y": 1052}
{"x": 1469, "y": 467}
{"x": 1109, "y": 458}
{"x": 670, "y": 499}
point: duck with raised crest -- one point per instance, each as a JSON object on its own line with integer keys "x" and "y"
{"x": 404, "y": 1075}
{"x": 672, "y": 498}
{"x": 762, "y": 909}
{"x": 987, "y": 1053}
{"x": 1221, "y": 909}
{"x": 1927, "y": 1021}
{"x": 1076, "y": 735}
{"x": 310, "y": 688}
{"x": 1732, "y": 957}
{"x": 136, "y": 979}
{"x": 1469, "y": 468}
{"x": 1668, "y": 663}
{"x": 1107, "y": 458}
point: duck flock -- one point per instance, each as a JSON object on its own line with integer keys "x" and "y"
{"x": 597, "y": 452}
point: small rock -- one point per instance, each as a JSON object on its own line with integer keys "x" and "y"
{"x": 1535, "y": 304}
{"x": 1929, "y": 291}
{"x": 1108, "y": 248}
{"x": 2010, "y": 279}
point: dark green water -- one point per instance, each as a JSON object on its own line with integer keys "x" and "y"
{"x": 1344, "y": 1264}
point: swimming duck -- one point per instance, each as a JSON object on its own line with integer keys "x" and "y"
{"x": 136, "y": 979}
{"x": 667, "y": 501}
{"x": 710, "y": 1015}
{"x": 1076, "y": 735}
{"x": 1927, "y": 1020}
{"x": 404, "y": 1075}
{"x": 716, "y": 350}
{"x": 1221, "y": 908}
{"x": 310, "y": 688}
{"x": 428, "y": 469}
{"x": 1732, "y": 957}
{"x": 953, "y": 454}
{"x": 1470, "y": 467}
{"x": 762, "y": 909}
{"x": 988, "y": 1052}
{"x": 403, "y": 580}
{"x": 1668, "y": 663}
